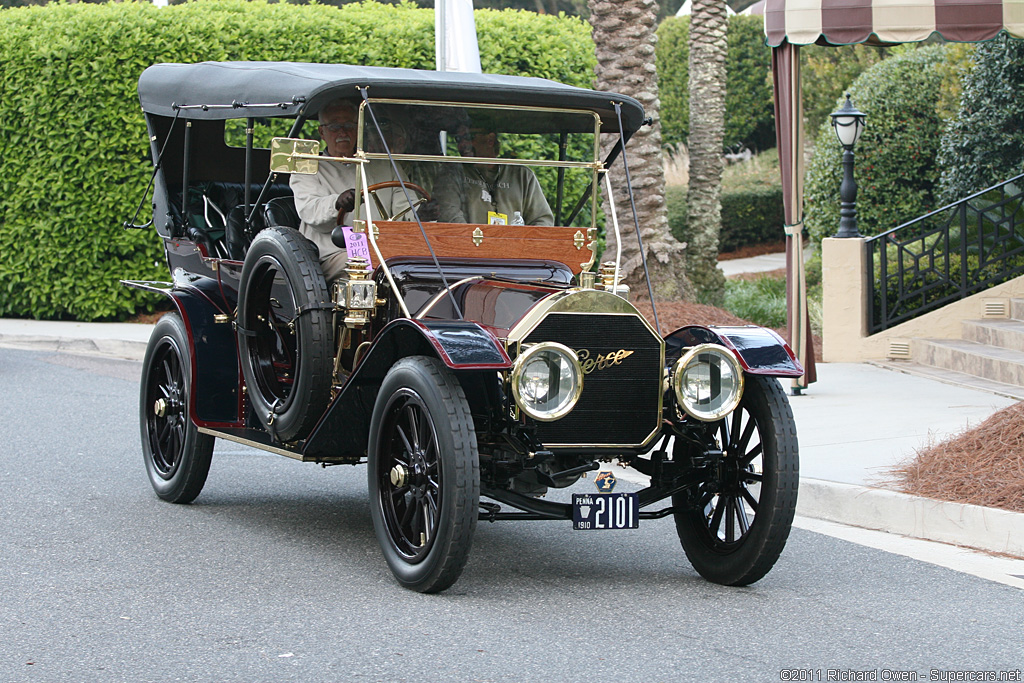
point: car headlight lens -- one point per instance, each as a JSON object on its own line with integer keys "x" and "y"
{"x": 547, "y": 381}
{"x": 708, "y": 382}
{"x": 361, "y": 294}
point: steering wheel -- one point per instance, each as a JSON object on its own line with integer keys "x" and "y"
{"x": 424, "y": 197}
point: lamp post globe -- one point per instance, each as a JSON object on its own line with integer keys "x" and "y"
{"x": 848, "y": 123}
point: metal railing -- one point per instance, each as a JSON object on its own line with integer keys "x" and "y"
{"x": 946, "y": 255}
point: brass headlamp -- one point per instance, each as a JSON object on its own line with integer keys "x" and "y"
{"x": 357, "y": 294}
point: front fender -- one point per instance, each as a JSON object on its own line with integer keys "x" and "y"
{"x": 462, "y": 346}
{"x": 760, "y": 350}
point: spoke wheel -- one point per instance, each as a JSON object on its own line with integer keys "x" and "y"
{"x": 423, "y": 474}
{"x": 735, "y": 527}
{"x": 177, "y": 456}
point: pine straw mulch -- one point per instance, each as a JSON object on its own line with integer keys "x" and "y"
{"x": 981, "y": 466}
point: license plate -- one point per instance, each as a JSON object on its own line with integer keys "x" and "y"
{"x": 599, "y": 511}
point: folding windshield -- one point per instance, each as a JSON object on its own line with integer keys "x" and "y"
{"x": 482, "y": 164}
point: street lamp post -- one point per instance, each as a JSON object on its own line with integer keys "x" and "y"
{"x": 848, "y": 122}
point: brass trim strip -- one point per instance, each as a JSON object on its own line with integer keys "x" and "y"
{"x": 443, "y": 293}
{"x": 255, "y": 444}
{"x": 502, "y": 161}
{"x": 578, "y": 301}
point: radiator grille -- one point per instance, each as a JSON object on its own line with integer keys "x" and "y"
{"x": 620, "y": 403}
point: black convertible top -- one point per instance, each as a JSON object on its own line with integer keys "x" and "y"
{"x": 209, "y": 89}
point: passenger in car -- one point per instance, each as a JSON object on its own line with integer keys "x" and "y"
{"x": 319, "y": 198}
{"x": 435, "y": 178}
{"x": 494, "y": 193}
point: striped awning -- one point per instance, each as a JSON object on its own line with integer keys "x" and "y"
{"x": 842, "y": 22}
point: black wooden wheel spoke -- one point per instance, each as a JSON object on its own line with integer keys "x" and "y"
{"x": 741, "y": 444}
{"x": 730, "y": 519}
{"x": 716, "y": 517}
{"x": 418, "y": 525}
{"x": 407, "y": 517}
{"x": 749, "y": 457}
{"x": 410, "y": 435}
{"x": 751, "y": 501}
{"x": 163, "y": 431}
{"x": 428, "y": 520}
{"x": 398, "y": 457}
{"x": 741, "y": 516}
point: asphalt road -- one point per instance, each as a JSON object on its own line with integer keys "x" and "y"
{"x": 273, "y": 574}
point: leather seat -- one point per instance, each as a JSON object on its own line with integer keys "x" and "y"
{"x": 281, "y": 211}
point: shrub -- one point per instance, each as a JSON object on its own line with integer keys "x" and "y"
{"x": 74, "y": 158}
{"x": 984, "y": 143}
{"x": 749, "y": 217}
{"x": 826, "y": 72}
{"x": 751, "y": 201}
{"x": 749, "y": 108}
{"x": 895, "y": 168}
{"x": 762, "y": 301}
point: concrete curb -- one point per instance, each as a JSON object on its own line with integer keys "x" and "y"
{"x": 972, "y": 526}
{"x": 120, "y": 340}
{"x": 118, "y": 348}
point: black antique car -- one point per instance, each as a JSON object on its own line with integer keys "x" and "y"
{"x": 460, "y": 360}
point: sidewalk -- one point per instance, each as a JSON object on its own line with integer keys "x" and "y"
{"x": 121, "y": 340}
{"x": 754, "y": 264}
{"x": 854, "y": 423}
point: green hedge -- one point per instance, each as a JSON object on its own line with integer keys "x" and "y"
{"x": 749, "y": 216}
{"x": 74, "y": 158}
{"x": 749, "y": 108}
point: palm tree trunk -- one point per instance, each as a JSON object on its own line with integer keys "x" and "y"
{"x": 624, "y": 37}
{"x": 708, "y": 26}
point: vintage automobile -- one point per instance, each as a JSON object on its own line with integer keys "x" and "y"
{"x": 460, "y": 360}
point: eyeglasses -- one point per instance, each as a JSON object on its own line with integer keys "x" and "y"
{"x": 338, "y": 127}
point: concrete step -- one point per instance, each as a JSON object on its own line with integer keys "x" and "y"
{"x": 1008, "y": 334}
{"x": 990, "y": 362}
{"x": 952, "y": 377}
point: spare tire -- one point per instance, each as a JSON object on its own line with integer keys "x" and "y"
{"x": 285, "y": 335}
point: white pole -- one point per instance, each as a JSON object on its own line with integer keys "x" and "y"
{"x": 440, "y": 33}
{"x": 455, "y": 36}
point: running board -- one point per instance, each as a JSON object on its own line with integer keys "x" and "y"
{"x": 262, "y": 441}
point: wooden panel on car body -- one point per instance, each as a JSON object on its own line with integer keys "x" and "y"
{"x": 556, "y": 243}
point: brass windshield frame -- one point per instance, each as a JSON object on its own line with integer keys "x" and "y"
{"x": 362, "y": 197}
